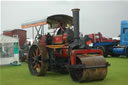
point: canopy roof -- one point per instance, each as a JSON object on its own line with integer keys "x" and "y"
{"x": 51, "y": 20}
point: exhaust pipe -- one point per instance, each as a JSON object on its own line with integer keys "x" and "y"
{"x": 76, "y": 24}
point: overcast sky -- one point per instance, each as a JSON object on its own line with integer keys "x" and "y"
{"x": 95, "y": 16}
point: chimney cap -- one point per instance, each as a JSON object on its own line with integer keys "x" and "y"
{"x": 76, "y": 9}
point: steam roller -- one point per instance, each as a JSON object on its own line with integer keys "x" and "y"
{"x": 64, "y": 50}
{"x": 94, "y": 68}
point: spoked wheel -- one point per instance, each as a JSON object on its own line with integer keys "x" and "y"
{"x": 35, "y": 60}
{"x": 89, "y": 74}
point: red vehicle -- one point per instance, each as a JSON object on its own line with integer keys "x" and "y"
{"x": 65, "y": 51}
{"x": 99, "y": 38}
{"x": 103, "y": 43}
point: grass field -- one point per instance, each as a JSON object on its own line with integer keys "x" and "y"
{"x": 19, "y": 75}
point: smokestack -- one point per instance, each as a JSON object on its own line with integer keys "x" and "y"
{"x": 76, "y": 23}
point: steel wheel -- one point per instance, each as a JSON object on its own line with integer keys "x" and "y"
{"x": 76, "y": 73}
{"x": 35, "y": 61}
{"x": 91, "y": 74}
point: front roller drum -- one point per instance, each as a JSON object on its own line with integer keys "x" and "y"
{"x": 36, "y": 60}
{"x": 89, "y": 68}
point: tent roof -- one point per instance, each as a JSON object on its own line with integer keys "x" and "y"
{"x": 7, "y": 39}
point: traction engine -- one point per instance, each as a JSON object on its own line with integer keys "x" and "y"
{"x": 65, "y": 51}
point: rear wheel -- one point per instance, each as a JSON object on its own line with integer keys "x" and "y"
{"x": 35, "y": 61}
{"x": 104, "y": 51}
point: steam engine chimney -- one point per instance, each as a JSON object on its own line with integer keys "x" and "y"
{"x": 76, "y": 24}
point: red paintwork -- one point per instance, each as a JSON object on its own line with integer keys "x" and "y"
{"x": 89, "y": 42}
{"x": 42, "y": 41}
{"x": 83, "y": 51}
{"x": 97, "y": 37}
{"x": 63, "y": 52}
{"x": 58, "y": 39}
{"x": 65, "y": 37}
{"x": 21, "y": 35}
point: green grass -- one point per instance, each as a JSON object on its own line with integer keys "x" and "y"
{"x": 19, "y": 75}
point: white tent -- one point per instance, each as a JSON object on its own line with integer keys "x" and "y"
{"x": 9, "y": 49}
